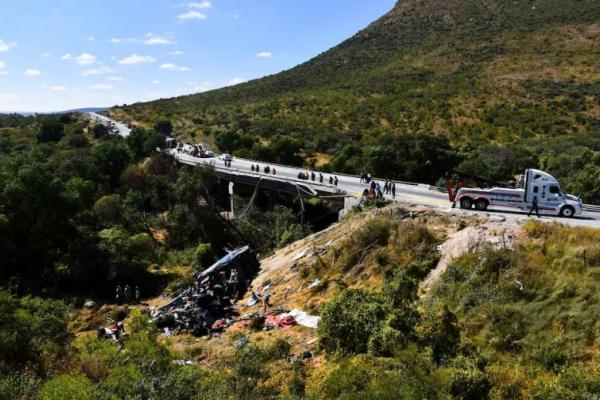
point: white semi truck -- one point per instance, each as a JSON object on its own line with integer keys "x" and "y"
{"x": 534, "y": 184}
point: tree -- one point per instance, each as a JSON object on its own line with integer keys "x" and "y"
{"x": 286, "y": 150}
{"x": 109, "y": 209}
{"x": 111, "y": 157}
{"x": 164, "y": 127}
{"x": 100, "y": 131}
{"x": 51, "y": 130}
{"x": 30, "y": 329}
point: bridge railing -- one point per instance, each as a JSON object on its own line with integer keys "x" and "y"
{"x": 326, "y": 187}
{"x": 586, "y": 207}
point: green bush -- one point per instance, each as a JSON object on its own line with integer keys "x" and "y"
{"x": 349, "y": 321}
{"x": 467, "y": 381}
{"x": 32, "y": 330}
{"x": 68, "y": 387}
{"x": 19, "y": 386}
{"x": 439, "y": 330}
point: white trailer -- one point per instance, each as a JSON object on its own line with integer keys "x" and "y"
{"x": 535, "y": 184}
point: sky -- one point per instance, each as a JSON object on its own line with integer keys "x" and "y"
{"x": 64, "y": 54}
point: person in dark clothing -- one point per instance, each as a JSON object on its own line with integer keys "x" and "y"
{"x": 534, "y": 206}
{"x": 331, "y": 180}
{"x": 335, "y": 181}
{"x": 119, "y": 294}
{"x": 127, "y": 293}
{"x": 320, "y": 177}
{"x": 393, "y": 190}
{"x": 312, "y": 176}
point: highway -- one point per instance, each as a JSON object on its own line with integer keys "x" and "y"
{"x": 407, "y": 193}
{"x": 119, "y": 128}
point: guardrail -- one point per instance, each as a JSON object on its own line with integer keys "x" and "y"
{"x": 586, "y": 207}
{"x": 591, "y": 208}
{"x": 307, "y": 183}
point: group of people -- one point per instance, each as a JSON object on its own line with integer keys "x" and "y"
{"x": 227, "y": 163}
{"x": 333, "y": 180}
{"x": 267, "y": 169}
{"x": 376, "y": 191}
{"x": 365, "y": 177}
{"x": 126, "y": 294}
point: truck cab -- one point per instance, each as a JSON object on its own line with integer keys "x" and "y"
{"x": 546, "y": 189}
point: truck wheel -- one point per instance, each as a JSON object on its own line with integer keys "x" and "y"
{"x": 481, "y": 205}
{"x": 466, "y": 204}
{"x": 567, "y": 212}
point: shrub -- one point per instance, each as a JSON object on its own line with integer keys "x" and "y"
{"x": 551, "y": 354}
{"x": 248, "y": 366}
{"x": 508, "y": 328}
{"x": 439, "y": 330}
{"x": 467, "y": 381}
{"x": 19, "y": 386}
{"x": 349, "y": 321}
{"x": 32, "y": 330}
{"x": 68, "y": 387}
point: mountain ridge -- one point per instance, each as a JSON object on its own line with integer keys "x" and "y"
{"x": 517, "y": 75}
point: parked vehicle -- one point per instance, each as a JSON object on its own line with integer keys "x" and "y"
{"x": 226, "y": 157}
{"x": 534, "y": 184}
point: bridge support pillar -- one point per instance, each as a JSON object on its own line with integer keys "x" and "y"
{"x": 349, "y": 202}
{"x": 231, "y": 199}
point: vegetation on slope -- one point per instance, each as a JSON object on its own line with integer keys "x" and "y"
{"x": 511, "y": 324}
{"x": 507, "y": 83}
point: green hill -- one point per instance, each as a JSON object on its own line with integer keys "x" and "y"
{"x": 508, "y": 84}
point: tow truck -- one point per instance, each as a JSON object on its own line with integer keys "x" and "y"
{"x": 534, "y": 183}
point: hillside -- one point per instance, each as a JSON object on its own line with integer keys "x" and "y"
{"x": 514, "y": 81}
{"x": 414, "y": 303}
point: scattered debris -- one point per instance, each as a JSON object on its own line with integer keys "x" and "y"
{"x": 182, "y": 362}
{"x": 314, "y": 283}
{"x": 300, "y": 255}
{"x": 240, "y": 344}
{"x": 252, "y": 301}
{"x": 302, "y": 318}
{"x": 115, "y": 331}
{"x": 211, "y": 296}
{"x": 520, "y": 285}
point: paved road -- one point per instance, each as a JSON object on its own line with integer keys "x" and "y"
{"x": 120, "y": 128}
{"x": 406, "y": 193}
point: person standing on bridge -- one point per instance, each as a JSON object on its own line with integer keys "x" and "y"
{"x": 320, "y": 177}
{"x": 252, "y": 167}
{"x": 274, "y": 171}
{"x": 393, "y": 190}
{"x": 312, "y": 176}
{"x": 335, "y": 181}
{"x": 331, "y": 180}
